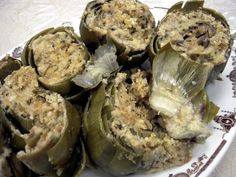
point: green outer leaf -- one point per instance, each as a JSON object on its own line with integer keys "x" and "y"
{"x": 61, "y": 152}
{"x": 17, "y": 141}
{"x": 77, "y": 162}
{"x": 206, "y": 108}
{"x": 189, "y": 5}
{"x": 90, "y": 38}
{"x": 27, "y": 52}
{"x": 211, "y": 112}
{"x": 18, "y": 168}
{"x": 23, "y": 124}
{"x": 103, "y": 149}
{"x": 7, "y": 66}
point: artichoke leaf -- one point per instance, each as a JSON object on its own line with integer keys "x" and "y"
{"x": 17, "y": 138}
{"x": 7, "y": 66}
{"x": 187, "y": 5}
{"x": 176, "y": 81}
{"x": 77, "y": 162}
{"x": 205, "y": 107}
{"x": 103, "y": 65}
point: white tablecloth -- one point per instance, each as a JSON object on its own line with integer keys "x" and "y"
{"x": 20, "y": 19}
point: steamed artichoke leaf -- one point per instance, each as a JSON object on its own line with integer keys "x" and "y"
{"x": 17, "y": 138}
{"x": 211, "y": 112}
{"x": 7, "y": 66}
{"x": 176, "y": 81}
{"x": 77, "y": 161}
{"x": 187, "y": 5}
{"x": 18, "y": 168}
{"x": 105, "y": 62}
{"x": 61, "y": 152}
{"x": 205, "y": 107}
{"x": 27, "y": 52}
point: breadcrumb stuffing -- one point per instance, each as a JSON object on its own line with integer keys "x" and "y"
{"x": 198, "y": 34}
{"x": 58, "y": 57}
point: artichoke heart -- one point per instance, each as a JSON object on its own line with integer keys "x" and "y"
{"x": 128, "y": 23}
{"x": 55, "y": 123}
{"x": 198, "y": 33}
{"x": 119, "y": 122}
{"x": 58, "y": 55}
{"x": 177, "y": 94}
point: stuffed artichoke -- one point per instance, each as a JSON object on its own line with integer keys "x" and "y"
{"x": 119, "y": 122}
{"x": 178, "y": 95}
{"x": 58, "y": 55}
{"x": 48, "y": 124}
{"x": 200, "y": 34}
{"x": 128, "y": 23}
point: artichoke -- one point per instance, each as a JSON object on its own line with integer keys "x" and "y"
{"x": 177, "y": 94}
{"x": 58, "y": 55}
{"x": 198, "y": 33}
{"x": 119, "y": 122}
{"x": 48, "y": 124}
{"x": 128, "y": 23}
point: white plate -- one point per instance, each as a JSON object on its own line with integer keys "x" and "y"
{"x": 223, "y": 93}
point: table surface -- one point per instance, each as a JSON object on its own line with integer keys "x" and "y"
{"x": 20, "y": 19}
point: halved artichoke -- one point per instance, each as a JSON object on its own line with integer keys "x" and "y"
{"x": 198, "y": 33}
{"x": 58, "y": 55}
{"x": 121, "y": 131}
{"x": 48, "y": 124}
{"x": 128, "y": 23}
{"x": 177, "y": 95}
